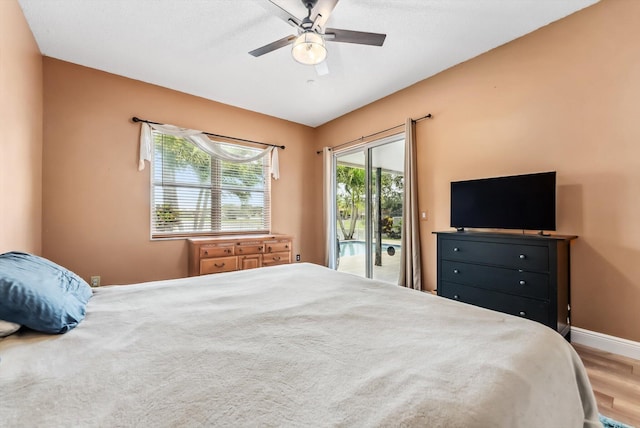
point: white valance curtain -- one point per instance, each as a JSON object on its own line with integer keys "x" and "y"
{"x": 203, "y": 142}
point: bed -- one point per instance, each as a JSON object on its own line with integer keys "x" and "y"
{"x": 293, "y": 345}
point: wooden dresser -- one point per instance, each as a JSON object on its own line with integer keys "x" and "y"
{"x": 229, "y": 253}
{"x": 522, "y": 275}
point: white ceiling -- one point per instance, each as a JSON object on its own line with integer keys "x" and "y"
{"x": 201, "y": 47}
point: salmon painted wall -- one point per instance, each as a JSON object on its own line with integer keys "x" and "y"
{"x": 564, "y": 98}
{"x": 21, "y": 142}
{"x": 96, "y": 203}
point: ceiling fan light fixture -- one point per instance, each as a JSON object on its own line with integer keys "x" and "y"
{"x": 308, "y": 48}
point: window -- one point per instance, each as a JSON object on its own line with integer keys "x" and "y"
{"x": 194, "y": 193}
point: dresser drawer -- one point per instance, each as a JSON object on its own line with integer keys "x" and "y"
{"x": 276, "y": 247}
{"x": 250, "y": 248}
{"x": 518, "y": 256}
{"x": 279, "y": 258}
{"x": 535, "y": 310}
{"x": 217, "y": 265}
{"x": 513, "y": 281}
{"x": 250, "y": 261}
{"x": 216, "y": 250}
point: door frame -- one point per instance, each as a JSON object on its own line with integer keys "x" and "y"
{"x": 366, "y": 148}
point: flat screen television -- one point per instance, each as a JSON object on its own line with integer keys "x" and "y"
{"x": 515, "y": 202}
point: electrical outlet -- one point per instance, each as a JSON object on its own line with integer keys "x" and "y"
{"x": 95, "y": 281}
{"x": 297, "y": 257}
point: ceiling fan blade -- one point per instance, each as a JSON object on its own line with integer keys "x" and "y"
{"x": 323, "y": 10}
{"x": 273, "y": 46}
{"x": 358, "y": 37}
{"x": 284, "y": 14}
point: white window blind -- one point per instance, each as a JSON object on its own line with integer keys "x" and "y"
{"x": 194, "y": 193}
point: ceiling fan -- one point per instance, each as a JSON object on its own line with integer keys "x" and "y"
{"x": 308, "y": 45}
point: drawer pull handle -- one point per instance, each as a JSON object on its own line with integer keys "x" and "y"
{"x": 286, "y": 246}
{"x": 523, "y": 314}
{"x": 269, "y": 249}
{"x": 456, "y": 249}
{"x": 227, "y": 251}
{"x": 218, "y": 266}
{"x": 456, "y": 271}
{"x": 206, "y": 253}
{"x": 523, "y": 282}
{"x": 240, "y": 249}
{"x": 455, "y": 296}
{"x": 276, "y": 258}
{"x": 522, "y": 256}
{"x": 259, "y": 248}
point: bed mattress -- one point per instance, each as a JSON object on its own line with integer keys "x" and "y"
{"x": 294, "y": 345}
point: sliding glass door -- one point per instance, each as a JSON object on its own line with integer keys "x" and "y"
{"x": 368, "y": 208}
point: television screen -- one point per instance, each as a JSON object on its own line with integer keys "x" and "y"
{"x": 514, "y": 202}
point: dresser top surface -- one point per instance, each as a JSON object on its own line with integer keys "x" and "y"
{"x": 239, "y": 238}
{"x": 504, "y": 235}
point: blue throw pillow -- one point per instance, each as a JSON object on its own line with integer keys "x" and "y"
{"x": 39, "y": 294}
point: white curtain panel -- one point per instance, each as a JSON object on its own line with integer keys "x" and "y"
{"x": 204, "y": 143}
{"x": 328, "y": 208}
{"x": 410, "y": 260}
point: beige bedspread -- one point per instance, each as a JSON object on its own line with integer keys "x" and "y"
{"x": 296, "y": 345}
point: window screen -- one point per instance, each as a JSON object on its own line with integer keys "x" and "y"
{"x": 194, "y": 193}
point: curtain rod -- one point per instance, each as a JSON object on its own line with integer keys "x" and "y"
{"x": 137, "y": 119}
{"x": 426, "y": 116}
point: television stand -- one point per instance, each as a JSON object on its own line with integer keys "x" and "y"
{"x": 521, "y": 275}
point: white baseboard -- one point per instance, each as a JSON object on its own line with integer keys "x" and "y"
{"x": 604, "y": 342}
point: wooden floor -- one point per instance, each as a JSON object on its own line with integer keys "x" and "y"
{"x": 616, "y": 383}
